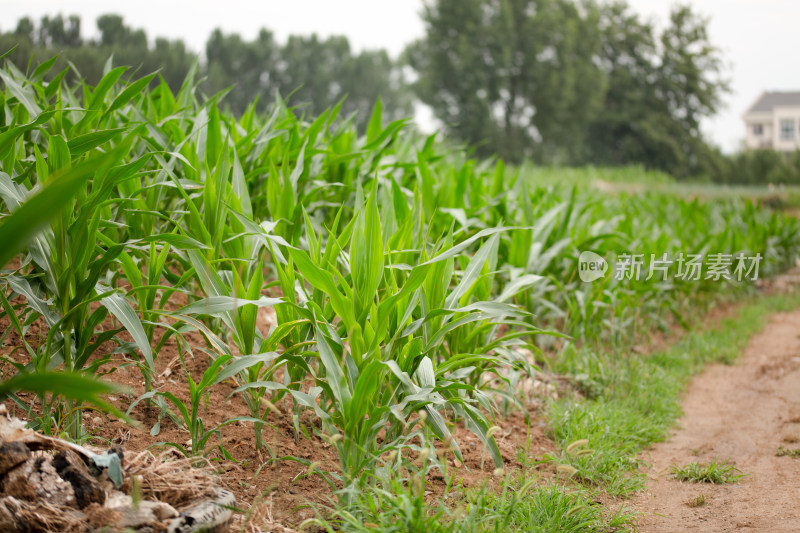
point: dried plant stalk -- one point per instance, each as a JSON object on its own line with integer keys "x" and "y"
{"x": 169, "y": 480}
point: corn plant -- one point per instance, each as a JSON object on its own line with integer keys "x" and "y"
{"x": 190, "y": 415}
{"x": 16, "y": 230}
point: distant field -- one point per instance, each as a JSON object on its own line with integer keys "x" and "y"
{"x": 621, "y": 179}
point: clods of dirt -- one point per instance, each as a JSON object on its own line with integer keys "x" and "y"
{"x": 50, "y": 485}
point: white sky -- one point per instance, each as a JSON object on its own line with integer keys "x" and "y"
{"x": 760, "y": 38}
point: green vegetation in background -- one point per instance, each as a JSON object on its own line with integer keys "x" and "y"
{"x": 571, "y": 83}
{"x": 758, "y": 167}
{"x": 558, "y": 82}
{"x": 316, "y": 72}
{"x": 591, "y": 176}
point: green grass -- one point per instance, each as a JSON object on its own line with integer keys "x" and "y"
{"x": 697, "y": 501}
{"x": 713, "y": 471}
{"x": 520, "y": 504}
{"x": 794, "y": 453}
{"x": 544, "y": 508}
{"x": 590, "y": 176}
{"x": 637, "y": 398}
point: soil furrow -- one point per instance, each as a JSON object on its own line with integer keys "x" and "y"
{"x": 741, "y": 413}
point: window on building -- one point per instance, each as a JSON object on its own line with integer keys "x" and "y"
{"x": 787, "y": 129}
{"x": 758, "y": 129}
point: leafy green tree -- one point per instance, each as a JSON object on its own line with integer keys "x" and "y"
{"x": 248, "y": 66}
{"x": 114, "y": 32}
{"x": 25, "y": 29}
{"x": 316, "y": 72}
{"x": 54, "y": 32}
{"x": 515, "y": 77}
{"x": 659, "y": 89}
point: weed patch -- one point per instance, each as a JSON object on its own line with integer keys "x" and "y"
{"x": 712, "y": 471}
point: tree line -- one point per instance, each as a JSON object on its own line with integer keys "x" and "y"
{"x": 566, "y": 82}
{"x": 314, "y": 73}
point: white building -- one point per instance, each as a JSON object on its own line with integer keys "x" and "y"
{"x": 773, "y": 122}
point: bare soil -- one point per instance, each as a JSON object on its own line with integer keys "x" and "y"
{"x": 270, "y": 475}
{"x": 742, "y": 413}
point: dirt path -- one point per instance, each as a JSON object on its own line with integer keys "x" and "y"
{"x": 742, "y": 413}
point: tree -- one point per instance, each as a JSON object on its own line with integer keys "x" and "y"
{"x": 659, "y": 89}
{"x": 114, "y": 32}
{"x": 316, "y": 72}
{"x": 515, "y": 77}
{"x": 53, "y": 32}
{"x": 25, "y": 28}
{"x": 248, "y": 66}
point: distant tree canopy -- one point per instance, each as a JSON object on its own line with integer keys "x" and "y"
{"x": 126, "y": 46}
{"x": 567, "y": 81}
{"x": 518, "y": 78}
{"x": 318, "y": 73}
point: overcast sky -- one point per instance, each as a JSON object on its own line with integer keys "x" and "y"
{"x": 760, "y": 38}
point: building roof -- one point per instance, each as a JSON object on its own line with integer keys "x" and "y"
{"x": 770, "y": 100}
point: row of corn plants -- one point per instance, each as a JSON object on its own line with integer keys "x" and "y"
{"x": 407, "y": 279}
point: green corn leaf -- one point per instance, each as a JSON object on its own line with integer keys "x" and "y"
{"x": 104, "y": 85}
{"x": 121, "y": 308}
{"x": 215, "y": 305}
{"x": 517, "y": 285}
{"x": 241, "y": 363}
{"x": 366, "y": 393}
{"x": 25, "y": 94}
{"x": 36, "y": 213}
{"x": 366, "y": 255}
{"x": 473, "y": 271}
{"x": 181, "y": 242}
{"x": 479, "y": 425}
{"x": 88, "y": 141}
{"x": 333, "y": 370}
{"x": 70, "y": 385}
{"x": 324, "y": 281}
{"x": 425, "y": 375}
{"x": 129, "y": 92}
{"x": 375, "y": 126}
{"x": 7, "y": 138}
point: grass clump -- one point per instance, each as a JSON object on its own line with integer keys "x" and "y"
{"x": 549, "y": 508}
{"x": 698, "y": 501}
{"x": 711, "y": 472}
{"x": 788, "y": 452}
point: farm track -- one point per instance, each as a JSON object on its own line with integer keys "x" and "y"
{"x": 742, "y": 413}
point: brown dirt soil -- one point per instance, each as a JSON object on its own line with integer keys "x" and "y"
{"x": 283, "y": 484}
{"x": 743, "y": 414}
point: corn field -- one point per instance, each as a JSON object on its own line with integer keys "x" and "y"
{"x": 410, "y": 287}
